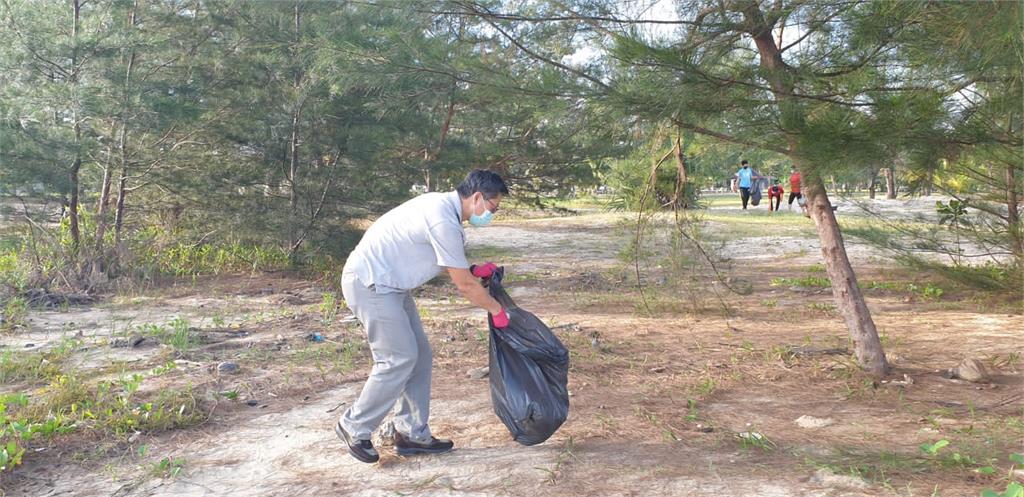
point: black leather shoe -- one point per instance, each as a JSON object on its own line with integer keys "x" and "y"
{"x": 360, "y": 449}
{"x": 406, "y": 447}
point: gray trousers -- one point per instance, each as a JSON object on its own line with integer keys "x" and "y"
{"x": 402, "y": 362}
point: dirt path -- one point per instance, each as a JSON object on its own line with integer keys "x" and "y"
{"x": 662, "y": 404}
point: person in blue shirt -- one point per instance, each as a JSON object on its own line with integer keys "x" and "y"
{"x": 745, "y": 179}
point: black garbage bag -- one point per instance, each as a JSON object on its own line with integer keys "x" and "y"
{"x": 529, "y": 372}
{"x": 755, "y": 192}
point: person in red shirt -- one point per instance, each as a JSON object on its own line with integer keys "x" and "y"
{"x": 775, "y": 196}
{"x": 794, "y": 187}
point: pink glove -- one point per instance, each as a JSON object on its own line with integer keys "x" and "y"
{"x": 500, "y": 319}
{"x": 484, "y": 270}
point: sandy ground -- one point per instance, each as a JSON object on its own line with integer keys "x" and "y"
{"x": 658, "y": 400}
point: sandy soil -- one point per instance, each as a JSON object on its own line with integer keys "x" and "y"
{"x": 658, "y": 400}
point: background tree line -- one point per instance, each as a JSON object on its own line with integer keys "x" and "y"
{"x": 153, "y": 130}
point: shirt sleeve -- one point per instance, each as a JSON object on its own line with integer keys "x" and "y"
{"x": 449, "y": 245}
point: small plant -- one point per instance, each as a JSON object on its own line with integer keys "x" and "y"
{"x": 230, "y": 395}
{"x": 11, "y": 433}
{"x": 328, "y": 308}
{"x": 822, "y": 307}
{"x": 169, "y": 468}
{"x": 933, "y": 449}
{"x": 179, "y": 338}
{"x": 770, "y": 303}
{"x": 691, "y": 407}
{"x": 931, "y": 292}
{"x": 753, "y": 439}
{"x": 707, "y": 386}
{"x": 14, "y": 313}
{"x": 563, "y": 456}
{"x": 883, "y": 285}
{"x": 1010, "y": 360}
{"x": 804, "y": 281}
{"x": 1014, "y": 488}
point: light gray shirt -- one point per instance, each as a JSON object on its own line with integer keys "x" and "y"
{"x": 410, "y": 244}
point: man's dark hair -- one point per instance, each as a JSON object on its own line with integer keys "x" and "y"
{"x": 743, "y": 162}
{"x": 483, "y": 181}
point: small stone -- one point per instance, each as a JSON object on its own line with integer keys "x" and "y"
{"x": 252, "y": 403}
{"x": 479, "y": 373}
{"x": 658, "y": 369}
{"x": 806, "y": 421}
{"x": 971, "y": 370}
{"x": 227, "y": 368}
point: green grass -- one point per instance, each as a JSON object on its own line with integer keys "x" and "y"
{"x": 804, "y": 281}
{"x": 822, "y": 307}
{"x": 105, "y": 409}
{"x": 14, "y": 314}
{"x": 734, "y": 225}
{"x": 178, "y": 335}
{"x": 19, "y": 365}
{"x": 485, "y": 253}
{"x": 329, "y": 358}
{"x": 722, "y": 200}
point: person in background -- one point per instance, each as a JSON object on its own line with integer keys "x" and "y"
{"x": 794, "y": 188}
{"x": 775, "y": 196}
{"x": 403, "y": 249}
{"x": 744, "y": 180}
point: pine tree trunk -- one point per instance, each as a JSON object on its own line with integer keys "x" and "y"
{"x": 849, "y": 300}
{"x": 293, "y": 162}
{"x": 293, "y": 166}
{"x": 890, "y": 184}
{"x": 101, "y": 210}
{"x": 122, "y": 193}
{"x": 872, "y": 184}
{"x": 76, "y": 233}
{"x": 122, "y": 190}
{"x": 76, "y": 165}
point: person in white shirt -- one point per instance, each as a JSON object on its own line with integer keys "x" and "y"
{"x": 403, "y": 249}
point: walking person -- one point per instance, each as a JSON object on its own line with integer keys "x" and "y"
{"x": 744, "y": 179}
{"x": 794, "y": 188}
{"x": 402, "y": 250}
